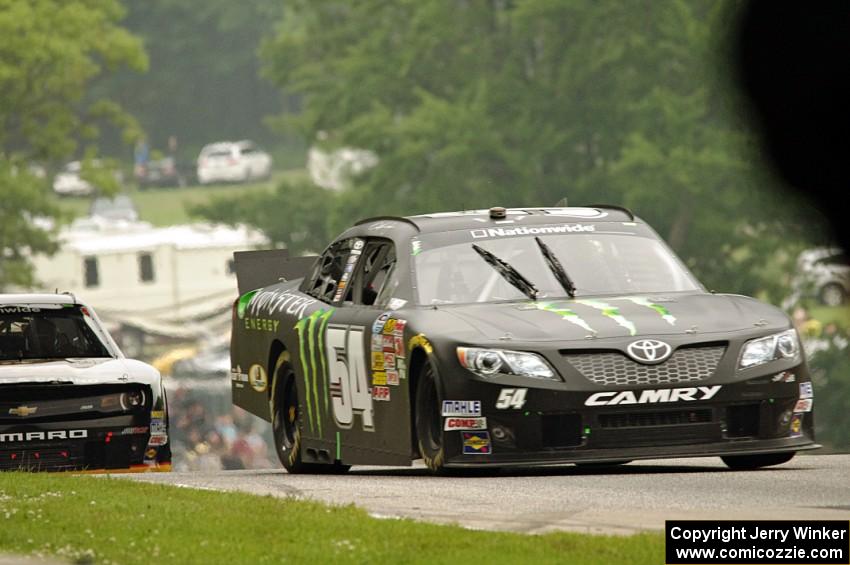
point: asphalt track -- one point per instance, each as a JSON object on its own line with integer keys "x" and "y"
{"x": 638, "y": 496}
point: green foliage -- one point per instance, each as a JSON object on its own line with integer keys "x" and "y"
{"x": 294, "y": 215}
{"x": 831, "y": 377}
{"x": 472, "y": 104}
{"x": 50, "y": 53}
{"x": 203, "y": 84}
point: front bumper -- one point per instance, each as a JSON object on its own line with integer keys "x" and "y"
{"x": 552, "y": 426}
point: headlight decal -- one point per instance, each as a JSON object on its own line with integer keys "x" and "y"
{"x": 783, "y": 345}
{"x": 490, "y": 362}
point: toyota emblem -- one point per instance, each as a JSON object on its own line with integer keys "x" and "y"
{"x": 649, "y": 351}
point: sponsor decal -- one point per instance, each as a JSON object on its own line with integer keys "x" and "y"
{"x": 379, "y": 323}
{"x": 158, "y": 440}
{"x": 158, "y": 427}
{"x": 311, "y": 352}
{"x": 804, "y": 405}
{"x": 257, "y": 378}
{"x": 150, "y": 454}
{"x": 43, "y": 436}
{"x": 511, "y": 398}
{"x": 565, "y": 314}
{"x": 379, "y": 378}
{"x": 576, "y": 212}
{"x": 452, "y": 424}
{"x": 352, "y": 259}
{"x": 664, "y": 312}
{"x": 19, "y": 310}
{"x": 377, "y": 361}
{"x": 261, "y": 324}
{"x": 23, "y": 411}
{"x": 784, "y": 377}
{"x": 392, "y": 378}
{"x": 158, "y": 414}
{"x": 461, "y": 408}
{"x": 649, "y": 351}
{"x": 389, "y": 360}
{"x": 652, "y": 396}
{"x": 381, "y": 226}
{"x": 806, "y": 390}
{"x": 244, "y": 300}
{"x": 377, "y": 342}
{"x": 381, "y": 393}
{"x": 398, "y": 347}
{"x": 389, "y": 326}
{"x": 611, "y": 312}
{"x": 539, "y": 230}
{"x": 387, "y": 343}
{"x": 476, "y": 443}
{"x": 398, "y": 330}
{"x": 358, "y": 244}
{"x": 396, "y": 303}
{"x": 415, "y": 247}
{"x": 134, "y": 431}
{"x": 270, "y": 302}
{"x": 796, "y": 427}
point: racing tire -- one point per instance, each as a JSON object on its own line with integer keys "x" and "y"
{"x": 429, "y": 433}
{"x": 286, "y": 426}
{"x": 833, "y": 294}
{"x": 749, "y": 462}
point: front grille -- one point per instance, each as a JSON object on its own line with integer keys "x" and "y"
{"x": 647, "y": 419}
{"x": 66, "y": 457}
{"x": 560, "y": 430}
{"x": 658, "y": 436}
{"x": 613, "y": 368}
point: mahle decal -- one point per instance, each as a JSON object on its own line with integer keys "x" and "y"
{"x": 565, "y": 313}
{"x": 311, "y": 351}
{"x": 611, "y": 312}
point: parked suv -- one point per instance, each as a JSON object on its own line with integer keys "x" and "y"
{"x": 227, "y": 161}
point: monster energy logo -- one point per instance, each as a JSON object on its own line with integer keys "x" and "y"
{"x": 611, "y": 312}
{"x": 244, "y": 300}
{"x": 311, "y": 351}
{"x": 565, "y": 313}
{"x": 664, "y": 312}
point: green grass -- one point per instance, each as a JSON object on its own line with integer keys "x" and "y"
{"x": 168, "y": 206}
{"x": 97, "y": 519}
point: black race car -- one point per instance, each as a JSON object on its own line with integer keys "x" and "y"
{"x": 69, "y": 399}
{"x": 516, "y": 337}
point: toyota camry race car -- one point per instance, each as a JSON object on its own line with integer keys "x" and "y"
{"x": 512, "y": 338}
{"x": 69, "y": 399}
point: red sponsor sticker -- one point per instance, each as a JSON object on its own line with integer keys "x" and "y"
{"x": 479, "y": 423}
{"x": 381, "y": 393}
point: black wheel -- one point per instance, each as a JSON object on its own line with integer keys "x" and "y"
{"x": 833, "y": 294}
{"x": 286, "y": 425}
{"x": 744, "y": 462}
{"x": 429, "y": 433}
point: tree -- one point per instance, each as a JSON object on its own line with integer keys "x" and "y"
{"x": 471, "y": 104}
{"x": 50, "y": 53}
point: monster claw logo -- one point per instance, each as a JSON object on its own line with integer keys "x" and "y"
{"x": 311, "y": 351}
{"x": 611, "y": 312}
{"x": 565, "y": 313}
{"x": 662, "y": 311}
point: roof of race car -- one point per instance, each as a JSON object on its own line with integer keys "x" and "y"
{"x": 446, "y": 221}
{"x": 43, "y": 298}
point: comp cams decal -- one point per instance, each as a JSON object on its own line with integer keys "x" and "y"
{"x": 652, "y": 396}
{"x": 453, "y": 424}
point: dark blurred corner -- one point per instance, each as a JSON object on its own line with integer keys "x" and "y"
{"x": 793, "y": 62}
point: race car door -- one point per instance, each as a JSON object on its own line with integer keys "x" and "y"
{"x": 366, "y": 419}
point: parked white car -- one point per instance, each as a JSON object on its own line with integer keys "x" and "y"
{"x": 68, "y": 181}
{"x": 823, "y": 272}
{"x": 227, "y": 161}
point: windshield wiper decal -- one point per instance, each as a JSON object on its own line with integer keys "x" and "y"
{"x": 556, "y": 268}
{"x": 508, "y": 273}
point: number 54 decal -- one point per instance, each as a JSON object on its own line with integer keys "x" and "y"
{"x": 511, "y": 398}
{"x": 348, "y": 384}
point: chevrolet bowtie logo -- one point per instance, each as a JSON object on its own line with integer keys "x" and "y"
{"x": 23, "y": 411}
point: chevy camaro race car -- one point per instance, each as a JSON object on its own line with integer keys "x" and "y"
{"x": 512, "y": 338}
{"x": 69, "y": 400}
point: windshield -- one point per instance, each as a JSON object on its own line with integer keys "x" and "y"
{"x": 47, "y": 332}
{"x": 449, "y": 270}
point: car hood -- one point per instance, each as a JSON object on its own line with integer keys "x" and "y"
{"x": 80, "y": 372}
{"x": 621, "y": 316}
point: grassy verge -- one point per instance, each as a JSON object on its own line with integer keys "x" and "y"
{"x": 167, "y": 206}
{"x": 102, "y": 520}
{"x": 840, "y": 315}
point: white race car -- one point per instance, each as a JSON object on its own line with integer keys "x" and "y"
{"x": 69, "y": 399}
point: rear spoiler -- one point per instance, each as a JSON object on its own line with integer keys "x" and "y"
{"x": 257, "y": 269}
